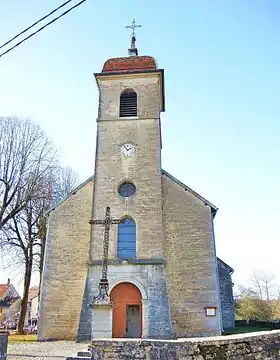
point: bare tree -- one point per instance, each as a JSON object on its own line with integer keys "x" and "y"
{"x": 64, "y": 181}
{"x": 26, "y": 155}
{"x": 25, "y": 233}
{"x": 265, "y": 285}
{"x": 30, "y": 183}
{"x": 261, "y": 300}
{"x": 20, "y": 234}
{"x": 249, "y": 306}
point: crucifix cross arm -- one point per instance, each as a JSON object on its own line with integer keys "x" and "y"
{"x": 98, "y": 222}
{"x": 116, "y": 221}
{"x": 134, "y": 26}
{"x": 107, "y": 221}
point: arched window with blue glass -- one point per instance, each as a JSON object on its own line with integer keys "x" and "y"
{"x": 127, "y": 239}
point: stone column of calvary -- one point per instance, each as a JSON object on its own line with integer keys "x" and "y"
{"x": 103, "y": 296}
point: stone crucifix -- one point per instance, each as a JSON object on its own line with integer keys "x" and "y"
{"x": 103, "y": 296}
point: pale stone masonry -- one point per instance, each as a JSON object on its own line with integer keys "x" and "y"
{"x": 151, "y": 282}
{"x": 191, "y": 265}
{"x": 175, "y": 268}
{"x": 65, "y": 265}
{"x": 226, "y": 294}
{"x": 263, "y": 346}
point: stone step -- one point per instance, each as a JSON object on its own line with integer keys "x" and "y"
{"x": 84, "y": 353}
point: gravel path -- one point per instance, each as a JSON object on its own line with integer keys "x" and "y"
{"x": 53, "y": 350}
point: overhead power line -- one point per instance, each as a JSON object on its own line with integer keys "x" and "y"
{"x": 37, "y": 22}
{"x": 43, "y": 27}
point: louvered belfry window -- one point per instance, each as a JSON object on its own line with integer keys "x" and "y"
{"x": 128, "y": 103}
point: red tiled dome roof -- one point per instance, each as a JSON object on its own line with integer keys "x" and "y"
{"x": 130, "y": 63}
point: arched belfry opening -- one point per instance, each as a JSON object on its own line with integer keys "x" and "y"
{"x": 127, "y": 311}
{"x": 128, "y": 103}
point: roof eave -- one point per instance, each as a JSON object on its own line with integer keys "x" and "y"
{"x": 226, "y": 265}
{"x": 128, "y": 72}
{"x": 73, "y": 192}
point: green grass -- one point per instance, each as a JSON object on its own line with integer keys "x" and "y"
{"x": 244, "y": 329}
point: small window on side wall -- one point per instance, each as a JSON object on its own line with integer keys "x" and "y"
{"x": 128, "y": 103}
{"x": 210, "y": 311}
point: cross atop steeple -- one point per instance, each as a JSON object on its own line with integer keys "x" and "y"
{"x": 133, "y": 26}
{"x": 133, "y": 50}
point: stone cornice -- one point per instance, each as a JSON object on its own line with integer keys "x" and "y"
{"x": 129, "y": 262}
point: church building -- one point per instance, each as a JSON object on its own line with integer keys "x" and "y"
{"x": 156, "y": 254}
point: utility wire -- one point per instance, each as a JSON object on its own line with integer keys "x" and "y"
{"x": 37, "y": 22}
{"x": 41, "y": 28}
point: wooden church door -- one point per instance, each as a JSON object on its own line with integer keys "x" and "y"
{"x": 133, "y": 325}
{"x": 127, "y": 311}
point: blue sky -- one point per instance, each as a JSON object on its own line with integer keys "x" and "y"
{"x": 222, "y": 86}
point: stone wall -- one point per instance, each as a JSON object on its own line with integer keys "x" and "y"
{"x": 191, "y": 263}
{"x": 262, "y": 345}
{"x": 65, "y": 266}
{"x": 226, "y": 294}
{"x": 144, "y": 207}
{"x": 148, "y": 277}
{"x": 143, "y": 169}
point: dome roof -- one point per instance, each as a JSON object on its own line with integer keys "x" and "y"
{"x": 131, "y": 63}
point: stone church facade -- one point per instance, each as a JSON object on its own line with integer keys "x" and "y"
{"x": 163, "y": 271}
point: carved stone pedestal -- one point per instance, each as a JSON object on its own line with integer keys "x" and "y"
{"x": 102, "y": 320}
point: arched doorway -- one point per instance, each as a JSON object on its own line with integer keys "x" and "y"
{"x": 127, "y": 311}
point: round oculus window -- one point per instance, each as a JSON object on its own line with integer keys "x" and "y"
{"x": 127, "y": 189}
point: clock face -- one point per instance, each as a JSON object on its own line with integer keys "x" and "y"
{"x": 128, "y": 150}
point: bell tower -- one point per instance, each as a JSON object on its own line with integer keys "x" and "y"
{"x": 127, "y": 178}
{"x": 128, "y": 154}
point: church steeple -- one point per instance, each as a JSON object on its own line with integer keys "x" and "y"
{"x": 133, "y": 51}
